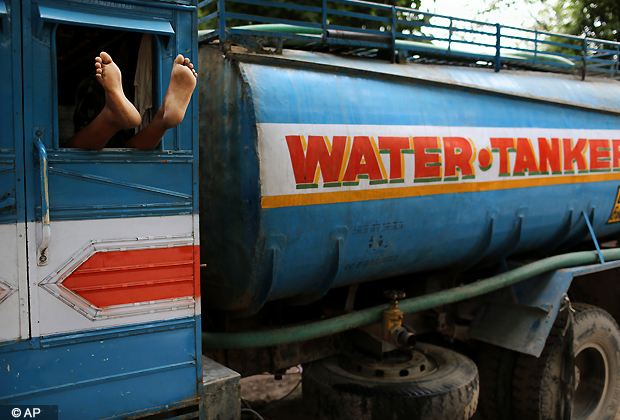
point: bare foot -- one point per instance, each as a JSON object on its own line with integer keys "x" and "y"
{"x": 117, "y": 114}
{"x": 118, "y": 111}
{"x": 182, "y": 84}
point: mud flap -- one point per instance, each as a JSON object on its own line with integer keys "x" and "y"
{"x": 519, "y": 317}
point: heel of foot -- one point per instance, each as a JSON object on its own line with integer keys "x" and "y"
{"x": 182, "y": 84}
{"x": 172, "y": 117}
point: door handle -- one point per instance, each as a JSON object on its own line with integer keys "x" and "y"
{"x": 7, "y": 202}
{"x": 42, "y": 250}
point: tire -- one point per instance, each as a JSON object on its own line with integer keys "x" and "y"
{"x": 449, "y": 392}
{"x": 495, "y": 367}
{"x": 537, "y": 385}
{"x": 597, "y": 357}
{"x": 536, "y": 388}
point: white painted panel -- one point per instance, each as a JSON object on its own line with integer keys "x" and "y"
{"x": 277, "y": 176}
{"x": 13, "y": 283}
{"x": 52, "y": 315}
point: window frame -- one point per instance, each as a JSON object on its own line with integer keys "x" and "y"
{"x": 53, "y": 15}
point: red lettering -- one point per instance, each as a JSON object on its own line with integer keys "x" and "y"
{"x": 461, "y": 159}
{"x": 549, "y": 154}
{"x": 576, "y": 154}
{"x": 427, "y": 164}
{"x": 362, "y": 149}
{"x": 395, "y": 145}
{"x": 503, "y": 144}
{"x": 526, "y": 159}
{"x": 596, "y": 154}
{"x": 306, "y": 165}
{"x": 616, "y": 153}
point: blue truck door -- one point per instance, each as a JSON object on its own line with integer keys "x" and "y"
{"x": 13, "y": 269}
{"x": 93, "y": 215}
{"x": 107, "y": 241}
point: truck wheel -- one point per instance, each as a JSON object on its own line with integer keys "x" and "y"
{"x": 444, "y": 385}
{"x": 495, "y": 367}
{"x": 537, "y": 386}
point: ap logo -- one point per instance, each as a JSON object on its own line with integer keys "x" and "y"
{"x": 28, "y": 413}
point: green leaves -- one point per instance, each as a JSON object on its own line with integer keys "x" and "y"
{"x": 596, "y": 19}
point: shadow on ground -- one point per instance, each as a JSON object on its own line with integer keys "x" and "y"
{"x": 275, "y": 399}
{"x": 278, "y": 399}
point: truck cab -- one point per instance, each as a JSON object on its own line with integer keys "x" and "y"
{"x": 99, "y": 285}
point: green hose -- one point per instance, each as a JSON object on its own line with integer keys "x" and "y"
{"x": 353, "y": 320}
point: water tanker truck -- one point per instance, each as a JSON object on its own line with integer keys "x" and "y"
{"x": 420, "y": 210}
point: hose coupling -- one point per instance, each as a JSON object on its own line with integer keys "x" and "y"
{"x": 402, "y": 337}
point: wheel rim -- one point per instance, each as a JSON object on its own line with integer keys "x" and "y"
{"x": 400, "y": 369}
{"x": 592, "y": 382}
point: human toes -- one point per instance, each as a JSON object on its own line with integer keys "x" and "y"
{"x": 179, "y": 59}
{"x": 105, "y": 57}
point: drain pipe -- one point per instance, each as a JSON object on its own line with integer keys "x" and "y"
{"x": 357, "y": 319}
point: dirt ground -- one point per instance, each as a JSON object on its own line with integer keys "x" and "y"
{"x": 269, "y": 398}
{"x": 277, "y": 399}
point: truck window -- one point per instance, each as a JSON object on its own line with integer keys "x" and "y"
{"x": 73, "y": 37}
{"x": 80, "y": 96}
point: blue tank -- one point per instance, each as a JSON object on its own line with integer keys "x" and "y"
{"x": 319, "y": 171}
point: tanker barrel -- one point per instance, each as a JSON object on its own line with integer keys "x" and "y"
{"x": 479, "y": 186}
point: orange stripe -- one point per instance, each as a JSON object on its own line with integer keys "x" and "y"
{"x": 422, "y": 190}
{"x": 123, "y": 277}
{"x": 197, "y": 271}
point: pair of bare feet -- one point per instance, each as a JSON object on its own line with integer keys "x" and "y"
{"x": 120, "y": 114}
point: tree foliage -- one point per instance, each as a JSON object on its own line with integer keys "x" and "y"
{"x": 596, "y": 19}
{"x": 592, "y": 18}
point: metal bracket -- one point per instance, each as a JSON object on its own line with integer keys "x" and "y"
{"x": 520, "y": 317}
{"x": 478, "y": 251}
{"x": 598, "y": 248}
{"x": 339, "y": 238}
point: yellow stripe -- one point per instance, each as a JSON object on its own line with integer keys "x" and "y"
{"x": 345, "y": 159}
{"x": 416, "y": 191}
{"x": 329, "y": 145}
{"x": 379, "y": 159}
{"x": 473, "y": 157}
{"x": 317, "y": 174}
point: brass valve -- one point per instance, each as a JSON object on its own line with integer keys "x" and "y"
{"x": 393, "y": 330}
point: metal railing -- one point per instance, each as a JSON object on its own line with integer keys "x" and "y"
{"x": 408, "y": 33}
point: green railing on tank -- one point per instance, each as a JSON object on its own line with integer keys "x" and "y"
{"x": 401, "y": 33}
